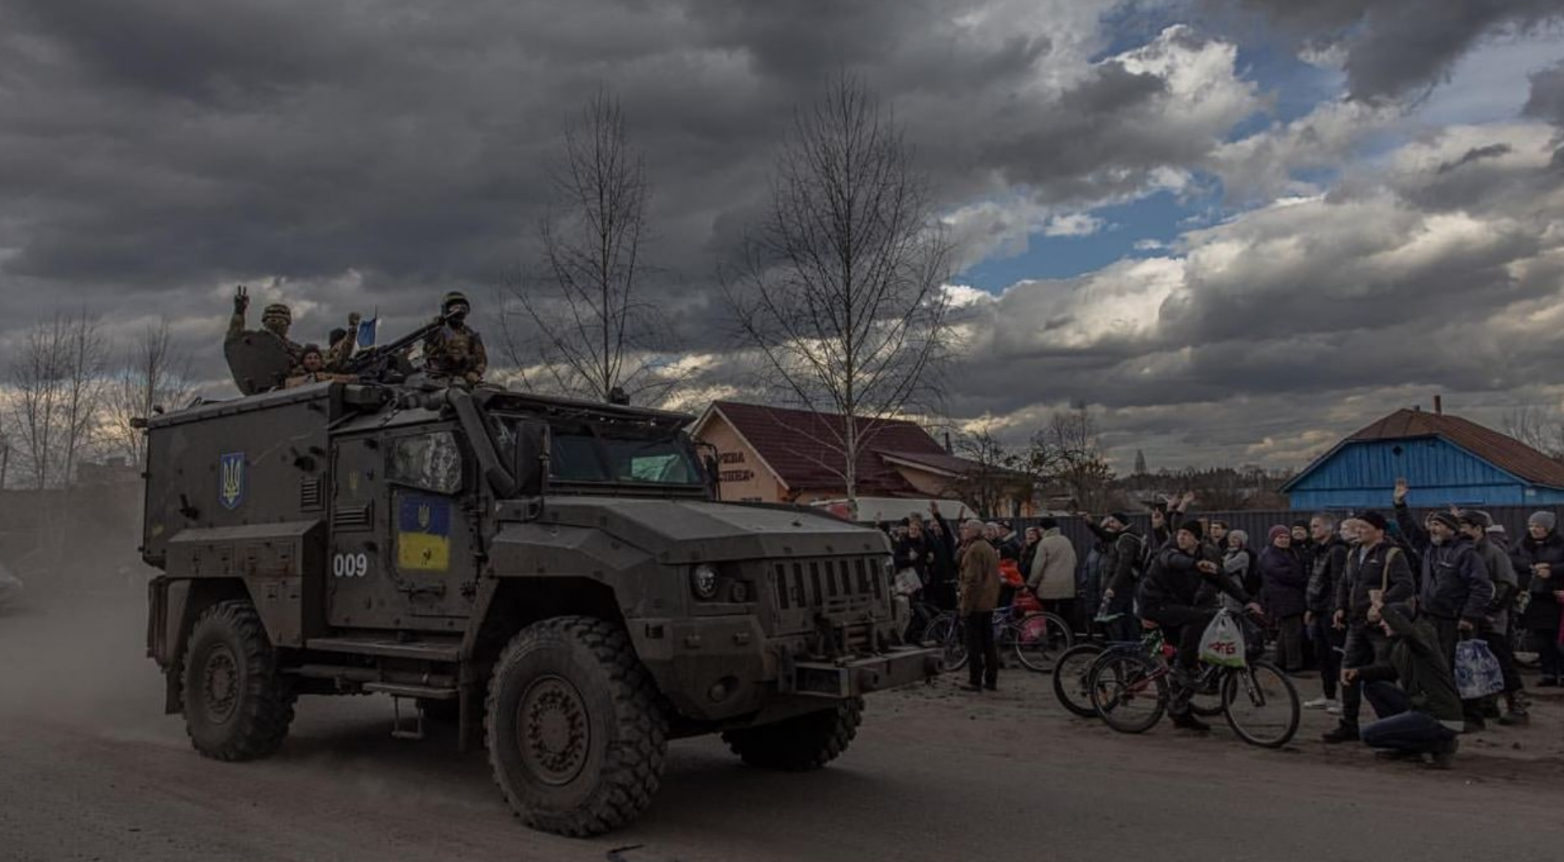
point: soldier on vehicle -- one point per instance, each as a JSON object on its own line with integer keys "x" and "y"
{"x": 340, "y": 344}
{"x": 455, "y": 351}
{"x": 276, "y": 320}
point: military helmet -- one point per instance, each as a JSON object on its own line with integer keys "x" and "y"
{"x": 454, "y": 297}
{"x": 277, "y": 309}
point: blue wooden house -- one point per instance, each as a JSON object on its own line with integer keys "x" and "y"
{"x": 1445, "y": 459}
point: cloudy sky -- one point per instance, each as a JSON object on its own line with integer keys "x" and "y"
{"x": 1238, "y": 228}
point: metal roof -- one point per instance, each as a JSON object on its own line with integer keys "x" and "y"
{"x": 1500, "y": 450}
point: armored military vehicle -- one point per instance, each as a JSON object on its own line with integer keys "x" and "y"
{"x": 551, "y": 573}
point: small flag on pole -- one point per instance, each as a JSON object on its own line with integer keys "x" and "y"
{"x": 367, "y": 330}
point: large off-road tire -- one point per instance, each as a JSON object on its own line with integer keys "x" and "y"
{"x": 236, "y": 705}
{"x": 575, "y": 730}
{"x": 799, "y": 744}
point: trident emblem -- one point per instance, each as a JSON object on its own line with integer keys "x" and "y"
{"x": 231, "y": 482}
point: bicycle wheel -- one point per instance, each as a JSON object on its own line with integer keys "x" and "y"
{"x": 1261, "y": 704}
{"x": 945, "y": 633}
{"x": 1129, "y": 692}
{"x": 1072, "y": 678}
{"x": 1039, "y": 639}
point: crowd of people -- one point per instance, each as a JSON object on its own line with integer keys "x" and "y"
{"x": 1376, "y": 604}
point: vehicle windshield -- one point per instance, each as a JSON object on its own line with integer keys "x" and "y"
{"x": 588, "y": 453}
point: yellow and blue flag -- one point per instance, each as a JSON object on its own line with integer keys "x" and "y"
{"x": 423, "y": 534}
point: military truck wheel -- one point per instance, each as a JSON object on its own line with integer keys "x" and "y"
{"x": 575, "y": 733}
{"x": 799, "y": 744}
{"x": 236, "y": 705}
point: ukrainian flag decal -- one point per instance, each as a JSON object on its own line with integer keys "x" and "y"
{"x": 423, "y": 534}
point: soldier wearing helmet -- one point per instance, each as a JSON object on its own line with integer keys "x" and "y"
{"x": 275, "y": 320}
{"x": 455, "y": 351}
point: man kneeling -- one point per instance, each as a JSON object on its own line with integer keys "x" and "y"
{"x": 1421, "y": 715}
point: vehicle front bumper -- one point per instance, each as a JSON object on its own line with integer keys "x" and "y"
{"x": 854, "y": 677}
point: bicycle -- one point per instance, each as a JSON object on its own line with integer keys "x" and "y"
{"x": 1073, "y": 672}
{"x": 1034, "y": 636}
{"x": 1130, "y": 692}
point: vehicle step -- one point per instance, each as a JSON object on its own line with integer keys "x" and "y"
{"x": 447, "y": 652}
{"x": 402, "y": 689}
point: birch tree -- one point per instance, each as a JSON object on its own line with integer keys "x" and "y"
{"x": 840, "y": 287}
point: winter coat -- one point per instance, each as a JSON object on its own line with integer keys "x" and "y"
{"x": 1121, "y": 567}
{"x": 1330, "y": 564}
{"x": 1174, "y": 580}
{"x": 1384, "y": 566}
{"x": 1501, "y": 572}
{"x": 979, "y": 578}
{"x": 1454, "y": 583}
{"x": 1283, "y": 583}
{"x": 1542, "y": 614}
{"x": 1052, "y": 575}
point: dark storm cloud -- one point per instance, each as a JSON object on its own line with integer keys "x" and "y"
{"x": 376, "y": 152}
{"x": 1546, "y": 100}
{"x": 1398, "y": 47}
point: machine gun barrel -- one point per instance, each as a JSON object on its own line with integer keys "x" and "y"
{"x": 376, "y": 357}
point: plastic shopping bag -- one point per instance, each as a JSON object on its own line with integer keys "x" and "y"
{"x": 1223, "y": 642}
{"x": 1477, "y": 672}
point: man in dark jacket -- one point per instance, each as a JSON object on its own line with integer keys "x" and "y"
{"x": 941, "y": 540}
{"x": 1539, "y": 563}
{"x": 1423, "y": 713}
{"x": 1328, "y": 566}
{"x": 1375, "y": 565}
{"x": 1121, "y": 568}
{"x": 1177, "y": 594}
{"x": 1284, "y": 582}
{"x": 1496, "y": 624}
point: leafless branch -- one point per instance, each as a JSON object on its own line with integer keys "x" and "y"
{"x": 839, "y": 289}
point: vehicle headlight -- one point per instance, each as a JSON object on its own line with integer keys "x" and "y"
{"x": 703, "y": 580}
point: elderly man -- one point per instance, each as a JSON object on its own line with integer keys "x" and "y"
{"x": 1052, "y": 577}
{"x": 979, "y": 595}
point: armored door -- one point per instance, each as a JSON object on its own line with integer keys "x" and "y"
{"x": 402, "y": 533}
{"x": 359, "y": 592}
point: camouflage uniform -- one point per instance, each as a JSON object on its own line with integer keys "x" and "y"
{"x": 455, "y": 349}
{"x": 236, "y": 329}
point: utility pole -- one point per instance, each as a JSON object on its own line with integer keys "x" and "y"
{"x": 5, "y": 460}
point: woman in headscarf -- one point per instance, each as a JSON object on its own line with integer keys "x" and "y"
{"x": 1539, "y": 565}
{"x": 1239, "y": 562}
{"x": 1283, "y": 583}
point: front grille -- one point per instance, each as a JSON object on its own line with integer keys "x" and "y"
{"x": 830, "y": 585}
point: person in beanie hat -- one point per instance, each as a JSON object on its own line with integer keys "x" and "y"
{"x": 1455, "y": 589}
{"x": 1496, "y": 625}
{"x": 1283, "y": 582}
{"x": 1375, "y": 566}
{"x": 1173, "y": 595}
{"x": 1330, "y": 562}
{"x": 1539, "y": 566}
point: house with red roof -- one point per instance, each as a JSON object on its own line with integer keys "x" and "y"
{"x": 1445, "y": 459}
{"x": 771, "y": 454}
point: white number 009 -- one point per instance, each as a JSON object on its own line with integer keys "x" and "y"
{"x": 350, "y": 565}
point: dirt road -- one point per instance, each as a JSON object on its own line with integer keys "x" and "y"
{"x": 90, "y": 769}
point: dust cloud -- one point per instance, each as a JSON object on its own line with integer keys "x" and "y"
{"x": 73, "y": 641}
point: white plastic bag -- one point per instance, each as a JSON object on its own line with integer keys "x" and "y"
{"x": 1223, "y": 642}
{"x": 1477, "y": 672}
{"x": 907, "y": 582}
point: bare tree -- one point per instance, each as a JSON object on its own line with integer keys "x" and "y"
{"x": 1065, "y": 455}
{"x": 1538, "y": 427}
{"x": 153, "y": 373}
{"x": 582, "y": 316}
{"x": 995, "y": 475}
{"x": 840, "y": 289}
{"x": 57, "y": 382}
